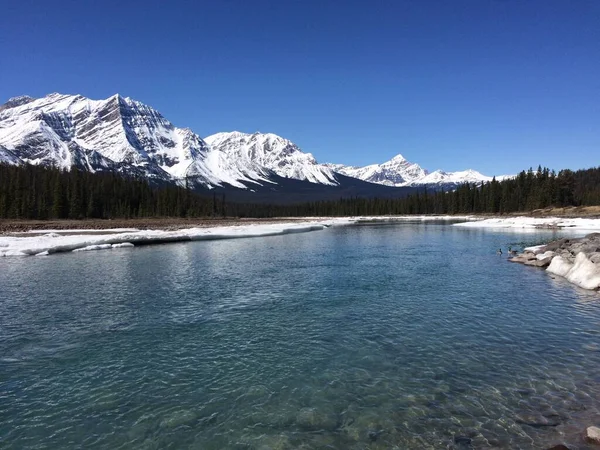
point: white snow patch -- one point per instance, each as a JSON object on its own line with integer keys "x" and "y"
{"x": 36, "y": 244}
{"x": 548, "y": 254}
{"x": 534, "y": 223}
{"x": 93, "y": 247}
{"x": 52, "y": 241}
{"x": 582, "y": 272}
{"x": 534, "y": 248}
{"x": 123, "y": 245}
{"x": 58, "y": 233}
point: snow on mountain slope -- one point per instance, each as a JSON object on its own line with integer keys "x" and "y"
{"x": 259, "y": 151}
{"x": 121, "y": 134}
{"x": 440, "y": 177}
{"x": 395, "y": 172}
{"x": 399, "y": 172}
{"x": 60, "y": 129}
{"x": 126, "y": 135}
{"x": 8, "y": 157}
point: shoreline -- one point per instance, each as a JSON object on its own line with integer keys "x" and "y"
{"x": 95, "y": 226}
{"x": 575, "y": 259}
{"x": 10, "y": 226}
{"x": 73, "y": 237}
{"x": 43, "y": 238}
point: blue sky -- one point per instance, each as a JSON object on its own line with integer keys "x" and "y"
{"x": 494, "y": 85}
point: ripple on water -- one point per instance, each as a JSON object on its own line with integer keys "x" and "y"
{"x": 356, "y": 338}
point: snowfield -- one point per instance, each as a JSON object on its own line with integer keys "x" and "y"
{"x": 533, "y": 223}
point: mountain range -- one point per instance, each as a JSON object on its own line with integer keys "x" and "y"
{"x": 127, "y": 136}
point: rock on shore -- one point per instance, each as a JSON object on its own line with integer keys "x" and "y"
{"x": 577, "y": 260}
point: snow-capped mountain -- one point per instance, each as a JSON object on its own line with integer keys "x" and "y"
{"x": 439, "y": 177}
{"x": 395, "y": 172}
{"x": 260, "y": 151}
{"x": 113, "y": 134}
{"x": 126, "y": 135}
{"x": 8, "y": 157}
{"x": 121, "y": 134}
{"x": 401, "y": 173}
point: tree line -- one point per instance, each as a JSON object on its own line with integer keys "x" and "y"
{"x": 34, "y": 192}
{"x": 527, "y": 191}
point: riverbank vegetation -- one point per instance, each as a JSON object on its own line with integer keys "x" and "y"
{"x": 39, "y": 193}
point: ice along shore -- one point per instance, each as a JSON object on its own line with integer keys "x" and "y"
{"x": 40, "y": 242}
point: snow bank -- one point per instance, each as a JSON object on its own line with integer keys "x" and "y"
{"x": 535, "y": 248}
{"x": 533, "y": 223}
{"x": 123, "y": 245}
{"x": 83, "y": 230}
{"x": 583, "y": 272}
{"x": 94, "y": 247}
{"x": 548, "y": 254}
{"x": 53, "y": 243}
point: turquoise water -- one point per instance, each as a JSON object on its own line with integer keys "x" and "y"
{"x": 367, "y": 337}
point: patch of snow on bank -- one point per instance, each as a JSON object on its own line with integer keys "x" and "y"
{"x": 534, "y": 223}
{"x": 123, "y": 245}
{"x": 94, "y": 247}
{"x": 548, "y": 254}
{"x": 535, "y": 248}
{"x": 583, "y": 272}
{"x": 83, "y": 230}
{"x": 47, "y": 244}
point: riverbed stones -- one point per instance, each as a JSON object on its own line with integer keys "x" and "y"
{"x": 312, "y": 419}
{"x": 179, "y": 418}
{"x": 592, "y": 435}
{"x": 278, "y": 442}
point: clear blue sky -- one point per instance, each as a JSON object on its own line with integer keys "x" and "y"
{"x": 494, "y": 85}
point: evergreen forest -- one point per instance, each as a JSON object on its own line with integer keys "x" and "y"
{"x": 34, "y": 192}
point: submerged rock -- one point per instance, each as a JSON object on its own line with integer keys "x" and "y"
{"x": 313, "y": 419}
{"x": 462, "y": 440}
{"x": 558, "y": 447}
{"x": 179, "y": 418}
{"x": 592, "y": 435}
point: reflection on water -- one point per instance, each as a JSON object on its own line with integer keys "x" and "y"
{"x": 370, "y": 337}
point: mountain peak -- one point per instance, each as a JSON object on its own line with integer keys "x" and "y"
{"x": 269, "y": 152}
{"x": 398, "y": 158}
{"x": 17, "y": 101}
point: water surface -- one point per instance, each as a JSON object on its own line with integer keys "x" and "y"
{"x": 367, "y": 337}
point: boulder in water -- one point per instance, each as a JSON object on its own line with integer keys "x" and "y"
{"x": 592, "y": 435}
{"x": 544, "y": 262}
